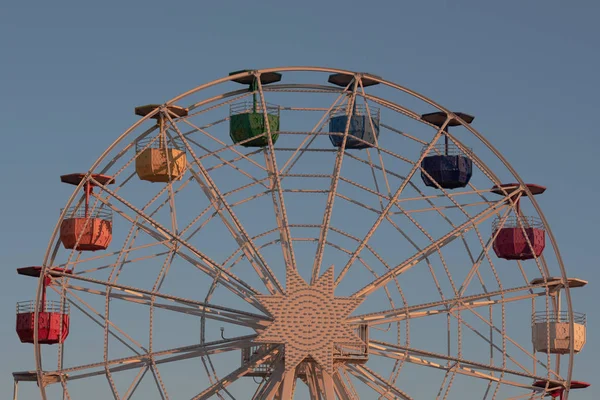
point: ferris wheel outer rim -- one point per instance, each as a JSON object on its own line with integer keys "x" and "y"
{"x": 53, "y": 242}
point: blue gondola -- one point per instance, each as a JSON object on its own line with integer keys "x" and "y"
{"x": 446, "y": 163}
{"x": 362, "y": 131}
{"x": 450, "y": 169}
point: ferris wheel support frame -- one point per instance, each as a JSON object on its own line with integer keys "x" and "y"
{"x": 275, "y": 173}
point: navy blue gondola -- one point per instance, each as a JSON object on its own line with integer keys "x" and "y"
{"x": 362, "y": 132}
{"x": 448, "y": 166}
{"x": 446, "y": 163}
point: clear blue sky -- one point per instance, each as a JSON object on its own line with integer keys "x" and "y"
{"x": 72, "y": 71}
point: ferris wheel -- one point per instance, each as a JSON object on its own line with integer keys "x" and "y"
{"x": 301, "y": 232}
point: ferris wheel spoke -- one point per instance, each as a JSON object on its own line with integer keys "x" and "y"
{"x": 476, "y": 160}
{"x": 478, "y": 192}
{"x": 243, "y": 240}
{"x": 160, "y": 387}
{"x": 471, "y": 306}
{"x": 403, "y": 133}
{"x": 452, "y": 308}
{"x": 264, "y": 356}
{"x": 483, "y": 254}
{"x": 288, "y": 386}
{"x": 422, "y": 197}
{"x": 259, "y": 388}
{"x": 379, "y": 155}
{"x": 493, "y": 346}
{"x": 312, "y": 382}
{"x": 481, "y": 241}
{"x": 468, "y": 306}
{"x": 232, "y": 148}
{"x": 96, "y": 317}
{"x": 441, "y": 306}
{"x": 368, "y": 247}
{"x": 433, "y": 207}
{"x": 113, "y": 387}
{"x": 337, "y": 169}
{"x": 135, "y": 383}
{"x": 234, "y": 226}
{"x": 402, "y": 211}
{"x": 279, "y": 207}
{"x": 307, "y": 142}
{"x": 200, "y": 226}
{"x": 270, "y": 389}
{"x": 390, "y": 204}
{"x": 246, "y": 157}
{"x": 210, "y": 267}
{"x": 414, "y": 222}
{"x": 340, "y": 389}
{"x": 159, "y": 357}
{"x": 380, "y": 196}
{"x": 65, "y": 389}
{"x": 162, "y": 275}
{"x": 241, "y": 156}
{"x": 376, "y": 382}
{"x": 112, "y": 254}
{"x": 171, "y": 199}
{"x": 440, "y": 208}
{"x": 511, "y": 340}
{"x": 457, "y": 232}
{"x": 235, "y": 318}
{"x": 145, "y": 295}
{"x": 230, "y": 164}
{"x": 458, "y": 365}
{"x": 347, "y": 382}
{"x": 328, "y": 386}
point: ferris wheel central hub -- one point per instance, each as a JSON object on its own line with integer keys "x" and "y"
{"x": 309, "y": 320}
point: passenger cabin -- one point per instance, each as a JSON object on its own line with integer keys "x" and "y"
{"x": 446, "y": 165}
{"x": 362, "y": 125}
{"x": 550, "y": 329}
{"x": 53, "y": 316}
{"x": 361, "y": 121}
{"x": 518, "y": 237}
{"x": 160, "y": 158}
{"x": 83, "y": 228}
{"x": 249, "y": 124}
{"x": 550, "y": 332}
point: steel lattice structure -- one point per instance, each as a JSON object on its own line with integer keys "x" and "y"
{"x": 304, "y": 252}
